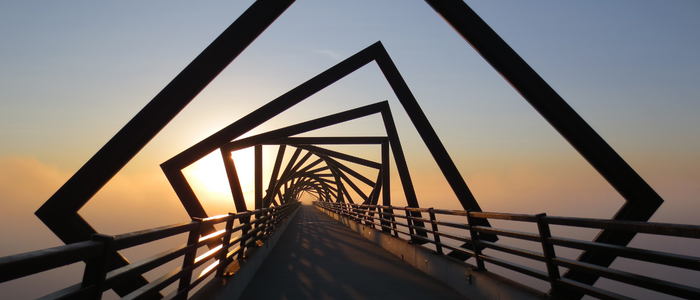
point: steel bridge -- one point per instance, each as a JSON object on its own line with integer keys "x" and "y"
{"x": 335, "y": 250}
{"x": 279, "y": 249}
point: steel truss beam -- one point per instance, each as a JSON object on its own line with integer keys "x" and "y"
{"x": 641, "y": 200}
{"x": 60, "y": 212}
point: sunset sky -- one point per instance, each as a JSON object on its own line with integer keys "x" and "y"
{"x": 73, "y": 73}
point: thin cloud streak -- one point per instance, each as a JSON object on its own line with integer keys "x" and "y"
{"x": 332, "y": 54}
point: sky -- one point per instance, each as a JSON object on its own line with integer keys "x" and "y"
{"x": 73, "y": 73}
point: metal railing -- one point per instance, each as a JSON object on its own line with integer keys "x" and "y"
{"x": 385, "y": 217}
{"x": 97, "y": 278}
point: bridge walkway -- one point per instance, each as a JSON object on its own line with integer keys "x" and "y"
{"x": 319, "y": 258}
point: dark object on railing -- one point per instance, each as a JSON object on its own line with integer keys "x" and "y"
{"x": 561, "y": 287}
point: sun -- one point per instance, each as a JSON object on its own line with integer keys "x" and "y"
{"x": 209, "y": 173}
{"x": 245, "y": 167}
{"x": 208, "y": 179}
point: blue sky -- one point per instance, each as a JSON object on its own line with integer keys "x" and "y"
{"x": 82, "y": 69}
{"x": 73, "y": 73}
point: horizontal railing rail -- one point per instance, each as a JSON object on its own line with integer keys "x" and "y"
{"x": 385, "y": 218}
{"x": 254, "y": 226}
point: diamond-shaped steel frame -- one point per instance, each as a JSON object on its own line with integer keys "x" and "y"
{"x": 60, "y": 212}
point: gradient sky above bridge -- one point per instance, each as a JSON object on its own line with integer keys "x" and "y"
{"x": 72, "y": 74}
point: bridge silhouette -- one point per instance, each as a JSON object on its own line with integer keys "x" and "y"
{"x": 336, "y": 250}
{"x": 320, "y": 258}
{"x": 279, "y": 249}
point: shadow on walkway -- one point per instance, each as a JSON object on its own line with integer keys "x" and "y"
{"x": 319, "y": 258}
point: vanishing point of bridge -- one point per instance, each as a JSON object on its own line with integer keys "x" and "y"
{"x": 350, "y": 245}
{"x": 319, "y": 258}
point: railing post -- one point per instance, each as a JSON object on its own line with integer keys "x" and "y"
{"x": 272, "y": 221}
{"x": 96, "y": 268}
{"x": 263, "y": 223}
{"x": 244, "y": 232}
{"x": 371, "y": 214}
{"x": 393, "y": 221}
{"x": 409, "y": 222}
{"x": 188, "y": 262}
{"x": 376, "y": 212}
{"x": 549, "y": 255}
{"x": 368, "y": 217}
{"x": 274, "y": 211}
{"x": 436, "y": 235}
{"x": 278, "y": 215}
{"x": 384, "y": 219}
{"x": 225, "y": 244}
{"x": 268, "y": 223}
{"x": 254, "y": 223}
{"x": 352, "y": 212}
{"x": 475, "y": 242}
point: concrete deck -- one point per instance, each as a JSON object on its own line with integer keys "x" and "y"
{"x": 319, "y": 258}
